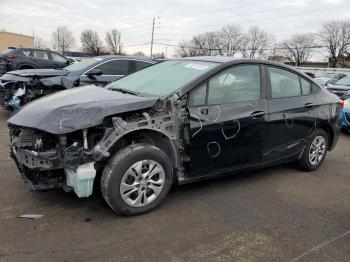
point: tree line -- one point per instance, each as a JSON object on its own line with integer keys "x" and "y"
{"x": 333, "y": 37}
{"x": 62, "y": 40}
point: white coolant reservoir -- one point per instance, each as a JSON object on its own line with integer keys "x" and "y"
{"x": 82, "y": 180}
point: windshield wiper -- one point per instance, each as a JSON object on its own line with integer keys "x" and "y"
{"x": 125, "y": 91}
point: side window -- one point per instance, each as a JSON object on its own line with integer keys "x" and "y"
{"x": 197, "y": 97}
{"x": 284, "y": 83}
{"x": 26, "y": 52}
{"x": 40, "y": 54}
{"x": 116, "y": 67}
{"x": 58, "y": 58}
{"x": 141, "y": 65}
{"x": 236, "y": 84}
{"x": 305, "y": 86}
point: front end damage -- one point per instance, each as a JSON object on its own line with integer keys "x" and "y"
{"x": 16, "y": 90}
{"x": 72, "y": 161}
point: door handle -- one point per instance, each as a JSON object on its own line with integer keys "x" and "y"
{"x": 309, "y": 105}
{"x": 257, "y": 114}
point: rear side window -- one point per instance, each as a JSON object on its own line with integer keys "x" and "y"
{"x": 58, "y": 58}
{"x": 284, "y": 83}
{"x": 116, "y": 67}
{"x": 40, "y": 54}
{"x": 236, "y": 84}
{"x": 141, "y": 65}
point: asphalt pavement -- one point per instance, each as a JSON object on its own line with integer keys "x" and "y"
{"x": 274, "y": 214}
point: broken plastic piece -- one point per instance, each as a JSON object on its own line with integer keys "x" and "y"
{"x": 30, "y": 216}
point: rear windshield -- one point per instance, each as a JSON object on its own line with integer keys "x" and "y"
{"x": 7, "y": 51}
{"x": 85, "y": 63}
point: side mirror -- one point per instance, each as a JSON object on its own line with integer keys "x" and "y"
{"x": 94, "y": 72}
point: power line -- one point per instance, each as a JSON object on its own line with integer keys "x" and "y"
{"x": 265, "y": 19}
{"x": 194, "y": 20}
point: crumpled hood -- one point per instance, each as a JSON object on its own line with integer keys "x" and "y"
{"x": 77, "y": 108}
{"x": 39, "y": 72}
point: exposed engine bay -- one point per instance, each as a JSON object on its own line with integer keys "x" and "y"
{"x": 72, "y": 161}
{"x": 17, "y": 90}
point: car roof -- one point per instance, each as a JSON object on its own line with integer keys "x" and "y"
{"x": 109, "y": 57}
{"x": 227, "y": 61}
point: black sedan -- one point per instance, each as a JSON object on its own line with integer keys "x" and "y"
{"x": 22, "y": 86}
{"x": 179, "y": 121}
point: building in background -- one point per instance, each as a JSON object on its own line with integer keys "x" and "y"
{"x": 12, "y": 39}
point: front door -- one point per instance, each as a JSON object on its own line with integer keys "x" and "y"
{"x": 228, "y": 121}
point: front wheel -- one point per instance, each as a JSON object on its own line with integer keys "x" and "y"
{"x": 315, "y": 151}
{"x": 137, "y": 179}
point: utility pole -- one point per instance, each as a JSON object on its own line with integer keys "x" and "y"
{"x": 154, "y": 20}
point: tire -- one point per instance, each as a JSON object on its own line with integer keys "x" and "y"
{"x": 122, "y": 186}
{"x": 309, "y": 163}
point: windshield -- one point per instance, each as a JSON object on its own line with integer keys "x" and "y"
{"x": 82, "y": 64}
{"x": 163, "y": 78}
{"x": 345, "y": 81}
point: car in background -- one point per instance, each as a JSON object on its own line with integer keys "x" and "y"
{"x": 22, "y": 86}
{"x": 178, "y": 121}
{"x": 340, "y": 87}
{"x": 328, "y": 78}
{"x": 346, "y": 115}
{"x": 17, "y": 58}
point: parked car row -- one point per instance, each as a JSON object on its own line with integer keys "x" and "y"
{"x": 178, "y": 121}
{"x": 22, "y": 86}
{"x": 16, "y": 58}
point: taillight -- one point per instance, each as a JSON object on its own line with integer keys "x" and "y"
{"x": 341, "y": 103}
{"x": 10, "y": 57}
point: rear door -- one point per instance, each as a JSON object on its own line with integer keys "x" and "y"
{"x": 111, "y": 70}
{"x": 41, "y": 59}
{"x": 228, "y": 121}
{"x": 293, "y": 113}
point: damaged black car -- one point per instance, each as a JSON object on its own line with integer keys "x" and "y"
{"x": 22, "y": 86}
{"x": 179, "y": 121}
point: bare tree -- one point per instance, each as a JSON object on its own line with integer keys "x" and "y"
{"x": 255, "y": 43}
{"x": 62, "y": 39}
{"x": 139, "y": 54}
{"x": 298, "y": 48}
{"x": 205, "y": 44}
{"x": 91, "y": 42}
{"x": 208, "y": 43}
{"x": 335, "y": 36}
{"x": 40, "y": 43}
{"x": 187, "y": 48}
{"x": 113, "y": 40}
{"x": 159, "y": 55}
{"x": 231, "y": 39}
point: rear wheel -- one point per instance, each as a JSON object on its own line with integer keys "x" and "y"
{"x": 137, "y": 179}
{"x": 315, "y": 151}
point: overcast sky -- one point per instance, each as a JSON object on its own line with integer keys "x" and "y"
{"x": 178, "y": 19}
